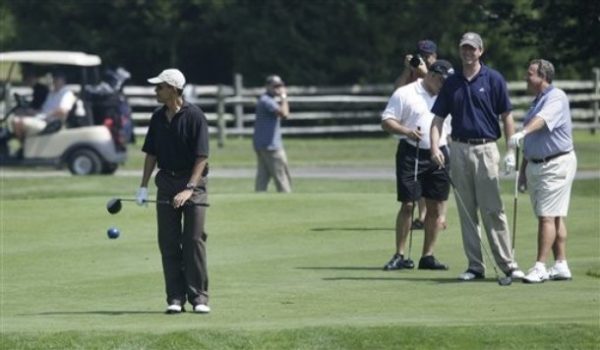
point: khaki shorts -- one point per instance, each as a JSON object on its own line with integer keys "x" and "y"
{"x": 33, "y": 125}
{"x": 550, "y": 185}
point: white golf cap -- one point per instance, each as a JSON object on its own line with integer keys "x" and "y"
{"x": 171, "y": 76}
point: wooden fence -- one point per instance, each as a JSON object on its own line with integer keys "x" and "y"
{"x": 352, "y": 109}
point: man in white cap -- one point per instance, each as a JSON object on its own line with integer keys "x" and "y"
{"x": 177, "y": 142}
{"x": 477, "y": 98}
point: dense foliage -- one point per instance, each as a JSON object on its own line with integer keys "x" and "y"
{"x": 306, "y": 41}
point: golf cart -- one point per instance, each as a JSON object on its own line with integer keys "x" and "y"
{"x": 92, "y": 139}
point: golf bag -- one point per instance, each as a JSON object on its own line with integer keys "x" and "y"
{"x": 109, "y": 105}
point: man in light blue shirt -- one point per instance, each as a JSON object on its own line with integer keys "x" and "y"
{"x": 548, "y": 169}
{"x": 270, "y": 155}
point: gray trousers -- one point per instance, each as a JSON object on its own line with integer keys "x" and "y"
{"x": 182, "y": 241}
{"x": 272, "y": 164}
{"x": 475, "y": 173}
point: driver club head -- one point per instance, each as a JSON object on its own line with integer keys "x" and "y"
{"x": 505, "y": 281}
{"x": 114, "y": 205}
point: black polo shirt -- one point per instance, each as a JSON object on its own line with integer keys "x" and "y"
{"x": 179, "y": 143}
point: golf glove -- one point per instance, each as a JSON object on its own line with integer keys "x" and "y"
{"x": 517, "y": 139}
{"x": 509, "y": 162}
{"x": 141, "y": 197}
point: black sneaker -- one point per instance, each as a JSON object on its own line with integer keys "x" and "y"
{"x": 395, "y": 263}
{"x": 417, "y": 225}
{"x": 430, "y": 263}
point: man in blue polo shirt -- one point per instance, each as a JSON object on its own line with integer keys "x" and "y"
{"x": 476, "y": 98}
{"x": 271, "y": 159}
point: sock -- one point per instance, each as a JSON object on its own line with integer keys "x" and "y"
{"x": 540, "y": 265}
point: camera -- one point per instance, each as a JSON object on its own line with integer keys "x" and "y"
{"x": 416, "y": 60}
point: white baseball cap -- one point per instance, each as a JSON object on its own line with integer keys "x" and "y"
{"x": 171, "y": 76}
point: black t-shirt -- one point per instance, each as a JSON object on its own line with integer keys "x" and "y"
{"x": 179, "y": 143}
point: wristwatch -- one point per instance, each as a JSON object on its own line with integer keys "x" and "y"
{"x": 190, "y": 186}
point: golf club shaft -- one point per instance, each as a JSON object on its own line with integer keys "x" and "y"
{"x": 162, "y": 201}
{"x": 412, "y": 213}
{"x": 472, "y": 222}
{"x": 515, "y": 200}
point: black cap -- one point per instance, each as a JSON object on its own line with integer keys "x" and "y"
{"x": 426, "y": 47}
{"x": 442, "y": 67}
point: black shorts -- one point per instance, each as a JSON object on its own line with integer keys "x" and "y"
{"x": 432, "y": 182}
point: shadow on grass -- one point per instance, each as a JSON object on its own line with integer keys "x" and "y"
{"x": 104, "y": 313}
{"x": 357, "y": 229}
{"x": 448, "y": 280}
{"x": 348, "y": 268}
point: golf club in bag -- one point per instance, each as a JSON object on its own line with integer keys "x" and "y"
{"x": 503, "y": 281}
{"x": 515, "y": 200}
{"x": 114, "y": 205}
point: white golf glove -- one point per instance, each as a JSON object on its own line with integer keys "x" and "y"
{"x": 141, "y": 197}
{"x": 509, "y": 162}
{"x": 517, "y": 139}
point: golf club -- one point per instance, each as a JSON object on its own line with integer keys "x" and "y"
{"x": 409, "y": 262}
{"x": 514, "y": 228}
{"x": 114, "y": 205}
{"x": 503, "y": 281}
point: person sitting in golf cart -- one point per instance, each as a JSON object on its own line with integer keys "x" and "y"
{"x": 57, "y": 106}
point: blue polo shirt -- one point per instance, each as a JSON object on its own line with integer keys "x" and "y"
{"x": 475, "y": 105}
{"x": 552, "y": 105}
{"x": 267, "y": 125}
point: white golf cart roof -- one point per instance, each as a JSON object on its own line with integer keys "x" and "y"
{"x": 51, "y": 57}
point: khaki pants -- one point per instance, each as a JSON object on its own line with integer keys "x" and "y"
{"x": 272, "y": 164}
{"x": 475, "y": 172}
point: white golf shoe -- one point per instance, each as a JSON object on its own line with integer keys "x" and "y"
{"x": 560, "y": 272}
{"x": 174, "y": 309}
{"x": 536, "y": 274}
{"x": 201, "y": 309}
{"x": 517, "y": 274}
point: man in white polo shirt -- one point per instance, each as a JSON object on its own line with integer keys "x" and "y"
{"x": 57, "y": 105}
{"x": 408, "y": 115}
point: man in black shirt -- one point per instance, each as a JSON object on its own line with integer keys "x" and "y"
{"x": 177, "y": 143}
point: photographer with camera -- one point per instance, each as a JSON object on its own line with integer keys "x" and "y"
{"x": 417, "y": 64}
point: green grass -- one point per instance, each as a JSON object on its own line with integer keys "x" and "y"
{"x": 347, "y": 152}
{"x": 299, "y": 271}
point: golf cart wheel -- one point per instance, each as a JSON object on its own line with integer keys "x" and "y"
{"x": 109, "y": 168}
{"x": 84, "y": 162}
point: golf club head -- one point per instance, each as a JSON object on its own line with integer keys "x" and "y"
{"x": 408, "y": 264}
{"x": 114, "y": 206}
{"x": 505, "y": 281}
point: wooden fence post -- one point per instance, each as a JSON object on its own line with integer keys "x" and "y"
{"x": 595, "y": 103}
{"x": 238, "y": 109}
{"x": 221, "y": 127}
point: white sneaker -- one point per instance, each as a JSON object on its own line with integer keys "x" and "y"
{"x": 202, "y": 309}
{"x": 517, "y": 274}
{"x": 536, "y": 274}
{"x": 560, "y": 273}
{"x": 174, "y": 309}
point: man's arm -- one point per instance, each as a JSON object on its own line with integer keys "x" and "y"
{"x": 509, "y": 126}
{"x": 395, "y": 127}
{"x": 437, "y": 126}
{"x": 284, "y": 107}
{"x": 149, "y": 164}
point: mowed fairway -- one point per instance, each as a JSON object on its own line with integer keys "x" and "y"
{"x": 298, "y": 271}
